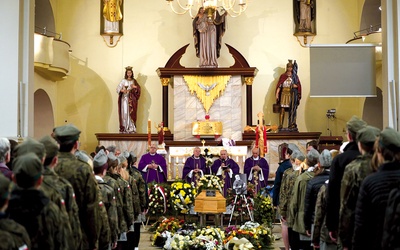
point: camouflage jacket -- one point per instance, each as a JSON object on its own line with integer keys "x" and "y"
{"x": 122, "y": 227}
{"x": 142, "y": 188}
{"x": 12, "y": 234}
{"x": 104, "y": 242}
{"x": 60, "y": 191}
{"x": 135, "y": 197}
{"x": 320, "y": 230}
{"x": 354, "y": 174}
{"x": 81, "y": 177}
{"x": 285, "y": 194}
{"x": 41, "y": 219}
{"x": 110, "y": 203}
{"x": 127, "y": 196}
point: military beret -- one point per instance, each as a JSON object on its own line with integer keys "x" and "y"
{"x": 66, "y": 133}
{"x": 325, "y": 158}
{"x": 50, "y": 145}
{"x": 27, "y": 169}
{"x": 30, "y": 146}
{"x": 121, "y": 159}
{"x": 112, "y": 157}
{"x": 100, "y": 159}
{"x": 355, "y": 124}
{"x": 390, "y": 139}
{"x": 4, "y": 187}
{"x": 368, "y": 134}
{"x": 125, "y": 154}
{"x": 300, "y": 156}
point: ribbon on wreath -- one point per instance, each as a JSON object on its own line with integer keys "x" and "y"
{"x": 162, "y": 192}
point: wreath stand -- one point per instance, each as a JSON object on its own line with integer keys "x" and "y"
{"x": 241, "y": 197}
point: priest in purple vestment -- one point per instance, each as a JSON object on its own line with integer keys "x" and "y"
{"x": 194, "y": 167}
{"x": 257, "y": 170}
{"x": 225, "y": 168}
{"x": 153, "y": 166}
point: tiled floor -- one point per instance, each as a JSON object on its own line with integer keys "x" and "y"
{"x": 145, "y": 239}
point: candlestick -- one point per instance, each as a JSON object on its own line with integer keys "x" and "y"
{"x": 149, "y": 132}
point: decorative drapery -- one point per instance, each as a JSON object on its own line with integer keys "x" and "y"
{"x": 207, "y": 88}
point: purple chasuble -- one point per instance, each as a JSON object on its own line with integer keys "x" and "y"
{"x": 227, "y": 180}
{"x": 192, "y": 163}
{"x": 153, "y": 174}
{"x": 249, "y": 164}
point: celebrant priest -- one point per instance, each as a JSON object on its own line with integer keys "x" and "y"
{"x": 153, "y": 166}
{"x": 194, "y": 167}
{"x": 225, "y": 168}
{"x": 256, "y": 169}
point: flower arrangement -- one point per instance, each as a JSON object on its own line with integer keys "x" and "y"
{"x": 164, "y": 228}
{"x": 264, "y": 210}
{"x": 209, "y": 159}
{"x": 158, "y": 199}
{"x": 241, "y": 204}
{"x": 259, "y": 236}
{"x": 207, "y": 238}
{"x": 182, "y": 196}
{"x": 209, "y": 182}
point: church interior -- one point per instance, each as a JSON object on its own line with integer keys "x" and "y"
{"x": 72, "y": 71}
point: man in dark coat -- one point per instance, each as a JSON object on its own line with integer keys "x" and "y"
{"x": 339, "y": 163}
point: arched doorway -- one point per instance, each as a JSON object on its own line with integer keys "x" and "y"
{"x": 43, "y": 114}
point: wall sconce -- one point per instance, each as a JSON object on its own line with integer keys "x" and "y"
{"x": 111, "y": 21}
{"x": 304, "y": 38}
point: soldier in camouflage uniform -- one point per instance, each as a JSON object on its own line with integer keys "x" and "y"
{"x": 108, "y": 195}
{"x": 320, "y": 236}
{"x": 126, "y": 194}
{"x": 32, "y": 209}
{"x": 58, "y": 188}
{"x": 141, "y": 197}
{"x": 353, "y": 176}
{"x": 12, "y": 234}
{"x": 111, "y": 178}
{"x": 285, "y": 195}
{"x": 80, "y": 175}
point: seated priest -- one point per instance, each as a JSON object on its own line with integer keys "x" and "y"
{"x": 153, "y": 166}
{"x": 194, "y": 167}
{"x": 256, "y": 169}
{"x": 225, "y": 168}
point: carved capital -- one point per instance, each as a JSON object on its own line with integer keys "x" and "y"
{"x": 248, "y": 80}
{"x": 165, "y": 81}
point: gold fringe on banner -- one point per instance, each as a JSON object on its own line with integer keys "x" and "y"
{"x": 207, "y": 88}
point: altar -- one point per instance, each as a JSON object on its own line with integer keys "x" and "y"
{"x": 178, "y": 155}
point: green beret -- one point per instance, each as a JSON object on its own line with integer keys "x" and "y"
{"x": 50, "y": 145}
{"x": 66, "y": 133}
{"x": 390, "y": 139}
{"x": 4, "y": 187}
{"x": 368, "y": 134}
{"x": 355, "y": 124}
{"x": 112, "y": 157}
{"x": 30, "y": 146}
{"x": 27, "y": 169}
{"x": 100, "y": 159}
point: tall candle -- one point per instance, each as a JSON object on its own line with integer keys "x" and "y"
{"x": 149, "y": 132}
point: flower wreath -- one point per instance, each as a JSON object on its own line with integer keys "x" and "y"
{"x": 209, "y": 182}
{"x": 182, "y": 196}
{"x": 158, "y": 197}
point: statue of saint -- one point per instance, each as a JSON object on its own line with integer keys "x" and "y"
{"x": 288, "y": 95}
{"x": 208, "y": 29}
{"x": 112, "y": 14}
